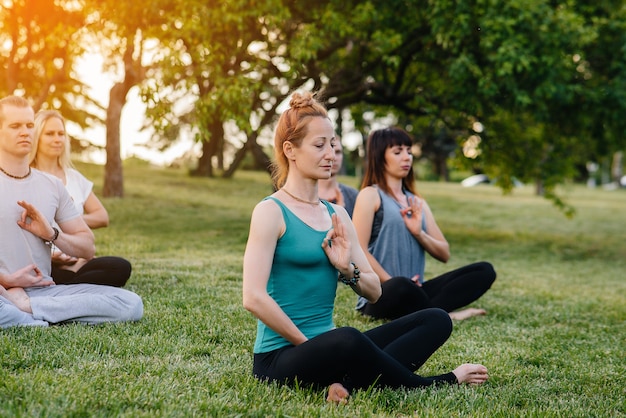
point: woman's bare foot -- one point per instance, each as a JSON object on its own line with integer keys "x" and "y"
{"x": 467, "y": 313}
{"x": 18, "y": 297}
{"x": 337, "y": 394}
{"x": 473, "y": 374}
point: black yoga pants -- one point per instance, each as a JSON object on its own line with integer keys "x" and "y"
{"x": 385, "y": 356}
{"x": 110, "y": 271}
{"x": 450, "y": 291}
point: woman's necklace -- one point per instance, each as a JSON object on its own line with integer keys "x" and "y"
{"x": 16, "y": 177}
{"x": 300, "y": 200}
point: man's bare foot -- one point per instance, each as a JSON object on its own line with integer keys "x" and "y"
{"x": 4, "y": 293}
{"x": 473, "y": 374}
{"x": 18, "y": 297}
{"x": 337, "y": 394}
{"x": 467, "y": 313}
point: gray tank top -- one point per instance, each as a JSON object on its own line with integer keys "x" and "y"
{"x": 392, "y": 245}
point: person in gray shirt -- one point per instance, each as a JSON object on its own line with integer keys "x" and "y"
{"x": 36, "y": 211}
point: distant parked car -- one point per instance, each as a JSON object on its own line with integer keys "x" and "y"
{"x": 477, "y": 179}
{"x": 474, "y": 180}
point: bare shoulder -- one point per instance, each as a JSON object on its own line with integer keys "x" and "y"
{"x": 266, "y": 208}
{"x": 369, "y": 191}
{"x": 267, "y": 216}
{"x": 368, "y": 197}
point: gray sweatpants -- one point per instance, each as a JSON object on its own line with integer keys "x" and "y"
{"x": 11, "y": 316}
{"x": 84, "y": 303}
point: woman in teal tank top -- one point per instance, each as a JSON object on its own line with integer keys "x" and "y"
{"x": 299, "y": 248}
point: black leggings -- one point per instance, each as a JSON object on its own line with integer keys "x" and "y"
{"x": 450, "y": 291}
{"x": 385, "y": 356}
{"x": 110, "y": 271}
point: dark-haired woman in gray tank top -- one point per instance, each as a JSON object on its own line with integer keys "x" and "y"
{"x": 396, "y": 229}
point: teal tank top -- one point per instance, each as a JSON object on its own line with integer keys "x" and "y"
{"x": 302, "y": 281}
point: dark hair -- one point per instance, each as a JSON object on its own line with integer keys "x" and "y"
{"x": 377, "y": 144}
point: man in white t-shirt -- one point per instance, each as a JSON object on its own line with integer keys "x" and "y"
{"x": 31, "y": 203}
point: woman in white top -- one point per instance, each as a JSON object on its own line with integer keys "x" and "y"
{"x": 51, "y": 154}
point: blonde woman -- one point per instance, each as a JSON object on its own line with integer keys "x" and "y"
{"x": 51, "y": 154}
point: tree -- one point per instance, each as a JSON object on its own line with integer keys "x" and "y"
{"x": 118, "y": 30}
{"x": 41, "y": 41}
{"x": 530, "y": 72}
{"x": 133, "y": 74}
{"x": 229, "y": 71}
{"x": 523, "y": 70}
{"x": 519, "y": 68}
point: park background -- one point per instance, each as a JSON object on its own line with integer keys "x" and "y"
{"x": 553, "y": 339}
{"x": 527, "y": 93}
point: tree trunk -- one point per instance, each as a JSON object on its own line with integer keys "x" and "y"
{"x": 239, "y": 156}
{"x": 133, "y": 73}
{"x": 220, "y": 154}
{"x": 113, "y": 175}
{"x": 204, "y": 168}
{"x": 210, "y": 147}
{"x": 440, "y": 164}
{"x": 261, "y": 160}
{"x": 539, "y": 188}
{"x": 616, "y": 167}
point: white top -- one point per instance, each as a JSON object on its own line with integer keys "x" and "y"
{"x": 79, "y": 188}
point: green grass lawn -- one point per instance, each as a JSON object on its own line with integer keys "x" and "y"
{"x": 554, "y": 338}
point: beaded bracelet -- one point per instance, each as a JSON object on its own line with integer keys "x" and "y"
{"x": 55, "y": 235}
{"x": 355, "y": 278}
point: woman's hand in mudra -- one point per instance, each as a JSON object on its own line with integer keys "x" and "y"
{"x": 337, "y": 246}
{"x": 412, "y": 215}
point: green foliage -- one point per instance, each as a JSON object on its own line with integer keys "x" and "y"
{"x": 516, "y": 148}
{"x": 433, "y": 66}
{"x": 552, "y": 339}
{"x": 40, "y": 43}
{"x": 219, "y": 64}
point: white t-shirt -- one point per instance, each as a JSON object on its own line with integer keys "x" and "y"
{"x": 19, "y": 248}
{"x": 79, "y": 188}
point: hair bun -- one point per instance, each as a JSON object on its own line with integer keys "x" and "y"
{"x": 299, "y": 100}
